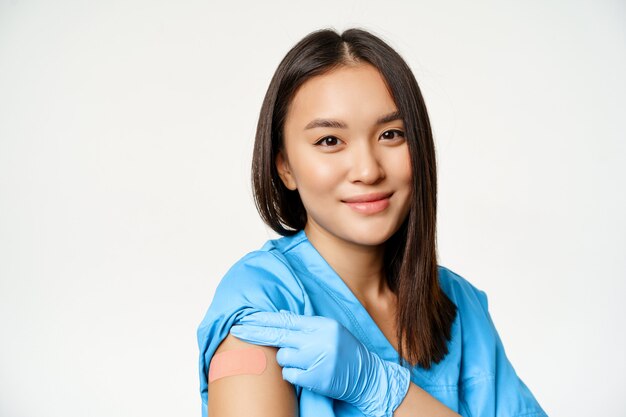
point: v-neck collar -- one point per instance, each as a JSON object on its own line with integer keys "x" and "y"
{"x": 374, "y": 339}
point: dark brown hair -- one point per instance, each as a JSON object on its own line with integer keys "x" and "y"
{"x": 425, "y": 313}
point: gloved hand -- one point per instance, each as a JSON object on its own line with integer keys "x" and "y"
{"x": 320, "y": 354}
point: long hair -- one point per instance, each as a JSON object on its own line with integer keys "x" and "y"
{"x": 425, "y": 314}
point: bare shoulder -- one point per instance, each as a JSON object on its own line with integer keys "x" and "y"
{"x": 253, "y": 395}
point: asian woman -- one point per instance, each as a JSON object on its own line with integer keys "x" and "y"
{"x": 348, "y": 313}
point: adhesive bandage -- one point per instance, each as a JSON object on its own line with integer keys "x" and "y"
{"x": 236, "y": 362}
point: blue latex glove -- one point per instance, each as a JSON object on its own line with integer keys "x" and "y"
{"x": 320, "y": 354}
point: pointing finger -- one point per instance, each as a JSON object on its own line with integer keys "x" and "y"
{"x": 268, "y": 336}
{"x": 284, "y": 319}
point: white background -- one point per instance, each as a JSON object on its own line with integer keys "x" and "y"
{"x": 126, "y": 130}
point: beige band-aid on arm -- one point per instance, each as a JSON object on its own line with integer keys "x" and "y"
{"x": 236, "y": 362}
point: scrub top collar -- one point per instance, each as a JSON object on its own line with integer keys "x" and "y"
{"x": 374, "y": 339}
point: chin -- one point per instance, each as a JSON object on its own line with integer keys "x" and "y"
{"x": 370, "y": 235}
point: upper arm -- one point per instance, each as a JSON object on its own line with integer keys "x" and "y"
{"x": 259, "y": 281}
{"x": 264, "y": 395}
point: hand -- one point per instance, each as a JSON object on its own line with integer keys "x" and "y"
{"x": 320, "y": 354}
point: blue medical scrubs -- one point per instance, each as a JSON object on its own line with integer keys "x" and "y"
{"x": 474, "y": 379}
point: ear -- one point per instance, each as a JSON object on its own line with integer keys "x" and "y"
{"x": 284, "y": 171}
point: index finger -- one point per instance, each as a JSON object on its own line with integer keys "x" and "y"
{"x": 267, "y": 336}
{"x": 283, "y": 319}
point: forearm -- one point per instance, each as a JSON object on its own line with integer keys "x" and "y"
{"x": 419, "y": 403}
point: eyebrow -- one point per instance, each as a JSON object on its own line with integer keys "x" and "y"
{"x": 338, "y": 124}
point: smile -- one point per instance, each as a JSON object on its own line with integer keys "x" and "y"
{"x": 369, "y": 207}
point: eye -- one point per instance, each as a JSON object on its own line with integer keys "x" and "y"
{"x": 329, "y": 141}
{"x": 387, "y": 135}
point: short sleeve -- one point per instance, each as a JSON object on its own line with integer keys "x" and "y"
{"x": 496, "y": 391}
{"x": 260, "y": 281}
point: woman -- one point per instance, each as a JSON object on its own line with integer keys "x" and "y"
{"x": 348, "y": 313}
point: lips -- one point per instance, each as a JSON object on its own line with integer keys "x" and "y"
{"x": 367, "y": 197}
{"x": 368, "y": 204}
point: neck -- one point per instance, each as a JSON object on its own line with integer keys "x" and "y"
{"x": 359, "y": 266}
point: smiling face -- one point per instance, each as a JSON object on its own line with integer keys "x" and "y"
{"x": 343, "y": 141}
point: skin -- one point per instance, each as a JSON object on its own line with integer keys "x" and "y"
{"x": 327, "y": 165}
{"x": 362, "y": 158}
{"x": 264, "y": 395}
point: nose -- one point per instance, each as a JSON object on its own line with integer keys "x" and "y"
{"x": 366, "y": 166}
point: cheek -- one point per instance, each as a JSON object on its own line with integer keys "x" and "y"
{"x": 401, "y": 166}
{"x": 408, "y": 173}
{"x": 317, "y": 176}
